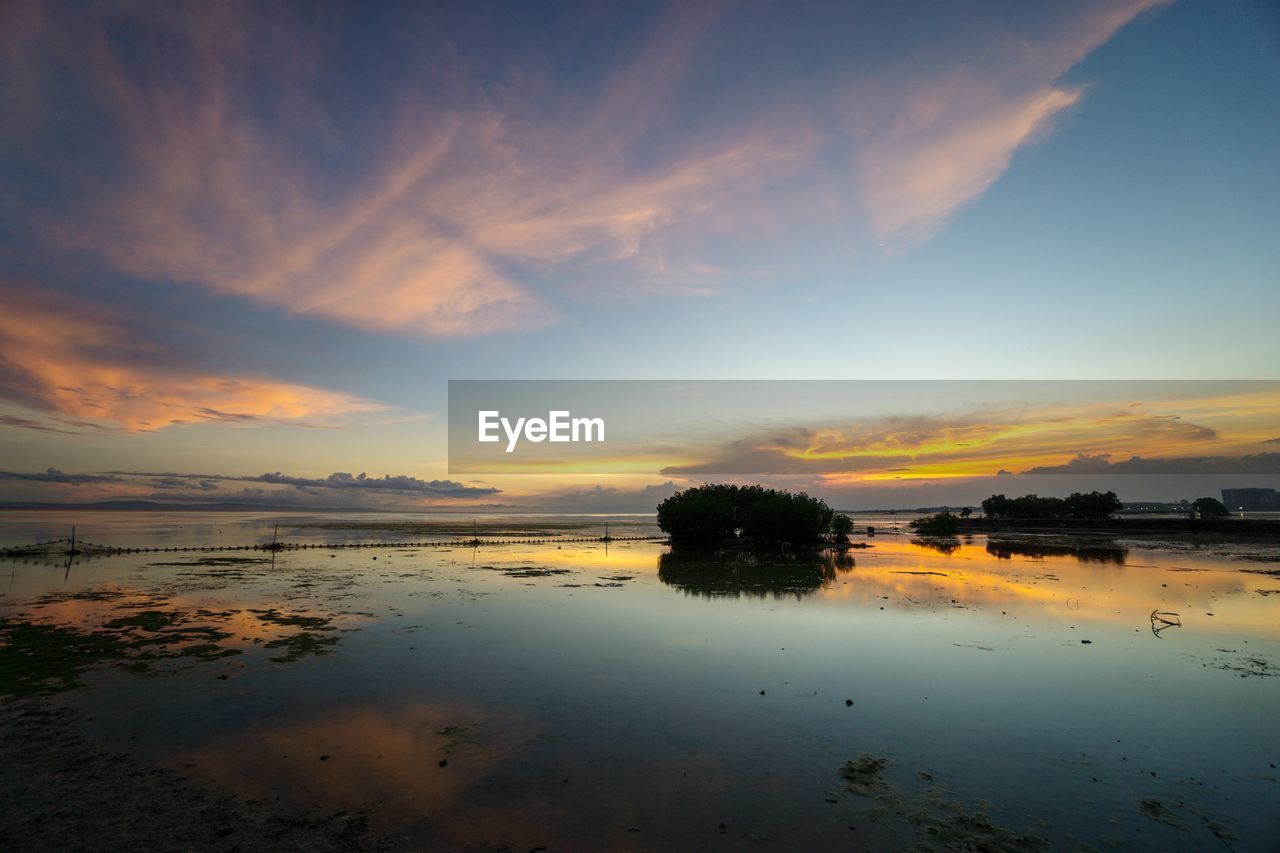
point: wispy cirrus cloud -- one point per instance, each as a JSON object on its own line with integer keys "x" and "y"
{"x": 445, "y": 204}
{"x": 919, "y": 175}
{"x": 423, "y": 229}
{"x": 946, "y": 132}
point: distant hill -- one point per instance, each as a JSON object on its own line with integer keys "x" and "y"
{"x": 229, "y": 506}
{"x": 166, "y": 507}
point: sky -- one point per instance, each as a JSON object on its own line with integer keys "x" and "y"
{"x": 244, "y": 247}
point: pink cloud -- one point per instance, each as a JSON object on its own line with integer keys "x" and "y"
{"x": 452, "y": 205}
{"x": 934, "y": 141}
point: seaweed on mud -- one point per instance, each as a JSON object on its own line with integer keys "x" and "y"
{"x": 1157, "y": 811}
{"x": 455, "y": 737}
{"x": 305, "y": 643}
{"x": 80, "y": 595}
{"x": 64, "y": 792}
{"x": 275, "y": 617}
{"x": 37, "y": 658}
{"x": 147, "y": 620}
{"x": 532, "y": 572}
{"x": 42, "y": 659}
{"x": 1246, "y": 667}
{"x": 973, "y": 831}
{"x": 865, "y": 775}
{"x": 215, "y": 561}
{"x": 299, "y": 646}
{"x": 208, "y": 651}
{"x": 1181, "y": 816}
{"x": 165, "y": 628}
{"x": 1258, "y": 558}
{"x": 945, "y": 821}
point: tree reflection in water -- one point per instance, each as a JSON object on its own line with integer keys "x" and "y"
{"x": 946, "y": 545}
{"x": 735, "y": 573}
{"x": 1104, "y": 551}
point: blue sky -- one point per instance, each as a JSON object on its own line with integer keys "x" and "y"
{"x": 245, "y": 238}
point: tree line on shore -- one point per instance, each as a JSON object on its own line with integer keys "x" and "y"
{"x": 1075, "y": 505}
{"x": 713, "y": 514}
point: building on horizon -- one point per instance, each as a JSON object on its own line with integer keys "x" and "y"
{"x": 1246, "y": 500}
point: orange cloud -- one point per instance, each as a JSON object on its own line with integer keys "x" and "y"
{"x": 1016, "y": 440}
{"x": 86, "y": 371}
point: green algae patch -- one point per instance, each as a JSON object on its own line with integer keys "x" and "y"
{"x": 312, "y": 623}
{"x": 207, "y": 651}
{"x": 298, "y": 646}
{"x": 973, "y": 831}
{"x": 865, "y": 775}
{"x": 41, "y": 653}
{"x": 165, "y": 628}
{"x": 147, "y": 620}
{"x": 456, "y": 737}
{"x": 81, "y": 595}
{"x": 305, "y": 643}
{"x": 42, "y": 659}
{"x": 1157, "y": 811}
{"x": 216, "y": 561}
{"x": 944, "y": 821}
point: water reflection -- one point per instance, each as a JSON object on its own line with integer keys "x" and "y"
{"x": 411, "y": 761}
{"x": 733, "y": 574}
{"x": 587, "y": 711}
{"x": 1091, "y": 552}
{"x": 946, "y": 545}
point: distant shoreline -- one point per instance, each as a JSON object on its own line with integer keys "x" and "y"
{"x": 1260, "y": 528}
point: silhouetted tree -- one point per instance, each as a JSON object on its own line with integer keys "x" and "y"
{"x": 1093, "y": 504}
{"x": 1076, "y": 505}
{"x": 841, "y": 527}
{"x": 942, "y": 524}
{"x": 1210, "y": 508}
{"x": 709, "y": 514}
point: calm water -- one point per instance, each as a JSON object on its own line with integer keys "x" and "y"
{"x": 592, "y": 698}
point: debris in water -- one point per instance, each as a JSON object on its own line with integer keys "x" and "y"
{"x": 864, "y": 776}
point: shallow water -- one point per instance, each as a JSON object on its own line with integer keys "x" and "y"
{"x": 586, "y": 697}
